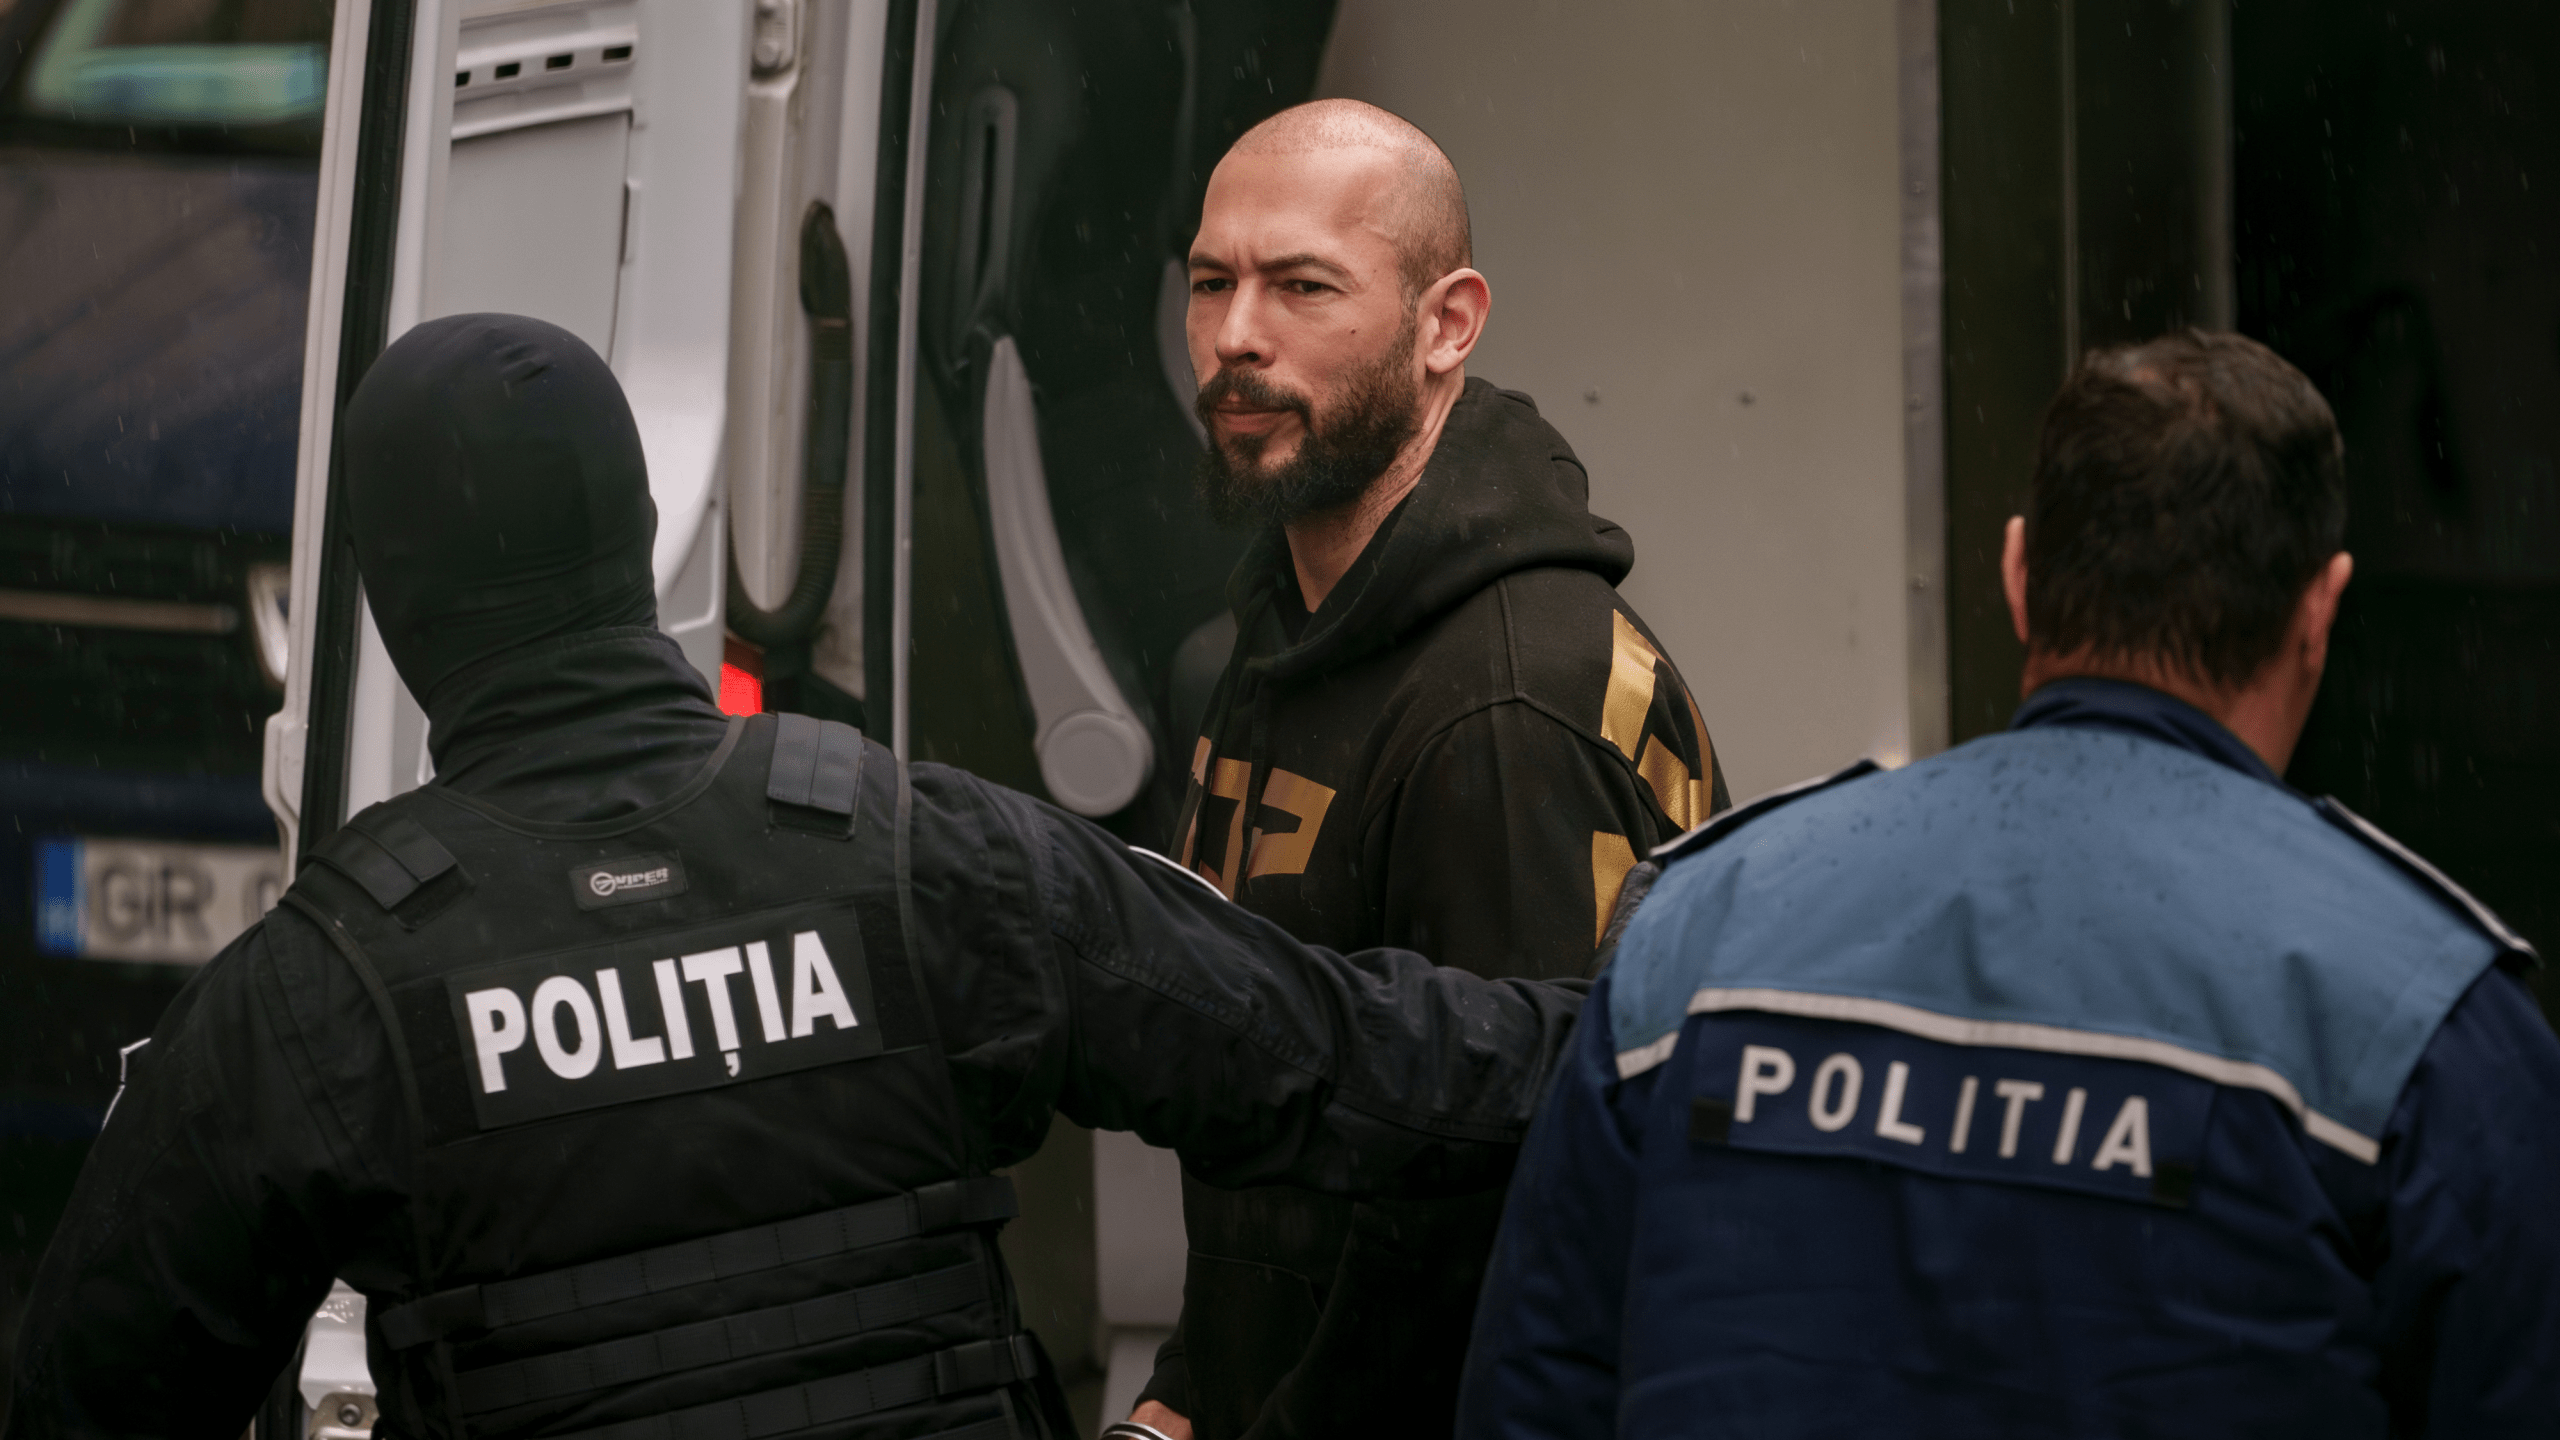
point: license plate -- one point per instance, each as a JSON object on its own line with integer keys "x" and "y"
{"x": 150, "y": 899}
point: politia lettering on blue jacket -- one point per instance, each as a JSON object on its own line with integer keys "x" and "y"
{"x": 1822, "y": 1087}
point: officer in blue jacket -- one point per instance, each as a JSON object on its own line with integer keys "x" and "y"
{"x": 2081, "y": 1080}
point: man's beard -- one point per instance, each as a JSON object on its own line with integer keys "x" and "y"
{"x": 1339, "y": 456}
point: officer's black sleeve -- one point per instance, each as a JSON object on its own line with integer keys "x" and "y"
{"x": 207, "y": 1220}
{"x": 1089, "y": 979}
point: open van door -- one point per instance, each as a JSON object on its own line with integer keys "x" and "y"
{"x": 621, "y": 168}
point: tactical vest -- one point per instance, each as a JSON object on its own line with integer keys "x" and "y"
{"x": 688, "y": 1161}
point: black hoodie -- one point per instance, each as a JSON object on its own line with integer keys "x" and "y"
{"x": 1461, "y": 752}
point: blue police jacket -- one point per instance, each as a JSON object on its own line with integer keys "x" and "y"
{"x": 2083, "y": 1080}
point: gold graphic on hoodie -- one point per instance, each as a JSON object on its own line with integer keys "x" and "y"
{"x": 1630, "y": 695}
{"x": 1683, "y": 799}
{"x": 1611, "y": 858}
{"x": 1624, "y": 707}
{"x": 1290, "y": 794}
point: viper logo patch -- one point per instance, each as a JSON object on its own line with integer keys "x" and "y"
{"x": 626, "y": 881}
{"x": 641, "y": 1018}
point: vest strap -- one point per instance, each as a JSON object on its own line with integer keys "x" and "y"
{"x": 817, "y": 765}
{"x": 979, "y": 1365}
{"x": 945, "y": 1206}
{"x": 390, "y": 855}
{"x": 635, "y": 1358}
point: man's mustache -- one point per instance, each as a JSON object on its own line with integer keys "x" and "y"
{"x": 1251, "y": 389}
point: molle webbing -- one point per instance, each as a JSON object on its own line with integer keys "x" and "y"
{"x": 476, "y": 1308}
{"x": 770, "y": 1331}
{"x": 979, "y": 1365}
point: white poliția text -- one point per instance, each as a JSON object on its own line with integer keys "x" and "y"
{"x": 1832, "y": 1105}
{"x": 501, "y": 1021}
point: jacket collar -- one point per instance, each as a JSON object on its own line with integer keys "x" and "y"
{"x": 2132, "y": 709}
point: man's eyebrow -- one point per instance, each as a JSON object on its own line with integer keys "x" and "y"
{"x": 1306, "y": 261}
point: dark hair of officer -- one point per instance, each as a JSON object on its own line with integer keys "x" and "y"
{"x": 2186, "y": 490}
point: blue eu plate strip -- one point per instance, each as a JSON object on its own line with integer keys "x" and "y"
{"x": 60, "y": 906}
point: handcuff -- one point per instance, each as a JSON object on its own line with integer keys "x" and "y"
{"x": 1133, "y": 1430}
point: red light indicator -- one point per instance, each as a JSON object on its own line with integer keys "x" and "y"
{"x": 741, "y": 677}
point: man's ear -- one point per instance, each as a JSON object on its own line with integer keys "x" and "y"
{"x": 2317, "y": 611}
{"x": 1452, "y": 314}
{"x": 2013, "y": 574}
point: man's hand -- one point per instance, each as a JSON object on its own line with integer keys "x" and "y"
{"x": 1156, "y": 1417}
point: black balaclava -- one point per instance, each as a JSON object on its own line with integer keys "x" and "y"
{"x": 496, "y": 493}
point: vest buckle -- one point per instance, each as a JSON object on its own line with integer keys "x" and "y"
{"x": 985, "y": 1364}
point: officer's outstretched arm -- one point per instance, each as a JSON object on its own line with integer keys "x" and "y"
{"x": 1210, "y": 1031}
{"x": 187, "y": 1260}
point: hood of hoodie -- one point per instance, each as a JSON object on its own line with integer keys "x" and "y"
{"x": 1501, "y": 493}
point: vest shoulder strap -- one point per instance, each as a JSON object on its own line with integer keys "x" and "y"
{"x": 2428, "y": 876}
{"x": 817, "y": 765}
{"x": 390, "y": 856}
{"x": 1741, "y": 815}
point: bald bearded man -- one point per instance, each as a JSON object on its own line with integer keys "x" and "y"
{"x": 1441, "y": 726}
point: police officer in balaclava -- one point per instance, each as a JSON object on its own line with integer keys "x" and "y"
{"x": 647, "y": 1070}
